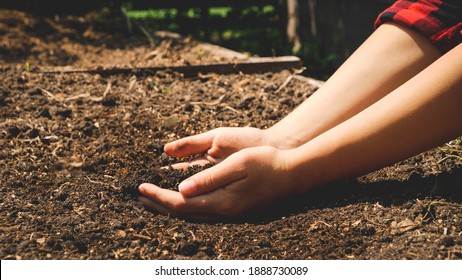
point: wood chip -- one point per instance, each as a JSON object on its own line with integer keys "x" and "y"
{"x": 141, "y": 236}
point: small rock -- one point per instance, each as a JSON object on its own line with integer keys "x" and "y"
{"x": 170, "y": 122}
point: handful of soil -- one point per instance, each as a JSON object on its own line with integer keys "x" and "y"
{"x": 171, "y": 177}
{"x": 166, "y": 178}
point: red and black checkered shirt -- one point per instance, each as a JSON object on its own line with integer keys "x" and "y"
{"x": 438, "y": 20}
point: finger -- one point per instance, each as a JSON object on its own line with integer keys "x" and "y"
{"x": 191, "y": 145}
{"x": 220, "y": 175}
{"x": 155, "y": 207}
{"x": 214, "y": 205}
{"x": 175, "y": 201}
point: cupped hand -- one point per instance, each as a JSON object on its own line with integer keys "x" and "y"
{"x": 246, "y": 180}
{"x": 216, "y": 145}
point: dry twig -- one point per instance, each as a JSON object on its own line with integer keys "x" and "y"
{"x": 289, "y": 78}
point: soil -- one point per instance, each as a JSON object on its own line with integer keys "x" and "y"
{"x": 75, "y": 147}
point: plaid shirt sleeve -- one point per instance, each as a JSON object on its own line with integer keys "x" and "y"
{"x": 440, "y": 21}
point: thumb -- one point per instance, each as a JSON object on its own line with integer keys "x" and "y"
{"x": 215, "y": 177}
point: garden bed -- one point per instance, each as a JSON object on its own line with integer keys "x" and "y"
{"x": 75, "y": 147}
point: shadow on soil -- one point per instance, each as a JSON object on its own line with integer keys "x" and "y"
{"x": 446, "y": 186}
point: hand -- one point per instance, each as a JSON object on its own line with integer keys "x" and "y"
{"x": 246, "y": 180}
{"x": 217, "y": 144}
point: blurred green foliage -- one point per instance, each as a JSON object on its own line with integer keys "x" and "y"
{"x": 253, "y": 30}
{"x": 256, "y": 30}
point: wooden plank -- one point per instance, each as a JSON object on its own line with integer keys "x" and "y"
{"x": 181, "y": 4}
{"x": 140, "y": 4}
{"x": 214, "y": 49}
{"x": 250, "y": 66}
{"x": 311, "y": 81}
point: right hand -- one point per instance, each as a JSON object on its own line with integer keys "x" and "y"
{"x": 247, "y": 180}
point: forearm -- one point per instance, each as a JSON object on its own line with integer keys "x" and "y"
{"x": 421, "y": 114}
{"x": 391, "y": 56}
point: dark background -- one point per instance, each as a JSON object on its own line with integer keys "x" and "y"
{"x": 330, "y": 30}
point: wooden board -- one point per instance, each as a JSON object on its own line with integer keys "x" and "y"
{"x": 249, "y": 66}
{"x": 214, "y": 49}
{"x": 181, "y": 4}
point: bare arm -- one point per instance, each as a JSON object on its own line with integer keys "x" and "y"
{"x": 424, "y": 112}
{"x": 391, "y": 56}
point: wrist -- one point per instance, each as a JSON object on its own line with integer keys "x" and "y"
{"x": 282, "y": 139}
{"x": 277, "y": 139}
{"x": 304, "y": 171}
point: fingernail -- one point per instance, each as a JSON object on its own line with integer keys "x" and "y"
{"x": 187, "y": 187}
{"x": 142, "y": 188}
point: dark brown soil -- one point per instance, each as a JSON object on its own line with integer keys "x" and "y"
{"x": 75, "y": 147}
{"x": 87, "y": 42}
